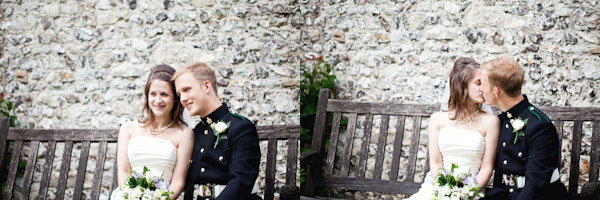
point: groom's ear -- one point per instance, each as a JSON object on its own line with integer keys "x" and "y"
{"x": 207, "y": 87}
{"x": 497, "y": 91}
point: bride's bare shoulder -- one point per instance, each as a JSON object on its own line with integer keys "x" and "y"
{"x": 439, "y": 115}
{"x": 489, "y": 118}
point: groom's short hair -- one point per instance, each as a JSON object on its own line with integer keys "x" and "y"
{"x": 201, "y": 71}
{"x": 506, "y": 74}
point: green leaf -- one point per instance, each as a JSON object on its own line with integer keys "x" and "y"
{"x": 145, "y": 170}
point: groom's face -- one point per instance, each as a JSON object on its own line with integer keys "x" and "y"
{"x": 486, "y": 87}
{"x": 191, "y": 93}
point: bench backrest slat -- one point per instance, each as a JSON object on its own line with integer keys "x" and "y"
{"x": 397, "y": 153}
{"x": 364, "y": 149}
{"x": 270, "y": 169}
{"x": 348, "y": 145}
{"x": 558, "y": 124}
{"x": 335, "y": 130}
{"x": 45, "y": 179}
{"x": 595, "y": 152}
{"x": 115, "y": 174}
{"x": 27, "y": 178}
{"x": 12, "y": 172}
{"x": 64, "y": 170}
{"x": 381, "y": 146}
{"x": 83, "y": 158}
{"x": 292, "y": 161}
{"x": 575, "y": 153}
{"x": 99, "y": 170}
{"x": 414, "y": 146}
{"x": 4, "y": 125}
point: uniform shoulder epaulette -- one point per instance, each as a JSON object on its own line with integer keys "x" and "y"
{"x": 538, "y": 113}
{"x": 235, "y": 114}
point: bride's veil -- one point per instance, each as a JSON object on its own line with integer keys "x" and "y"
{"x": 446, "y": 97}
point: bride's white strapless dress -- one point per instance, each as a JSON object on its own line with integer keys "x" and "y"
{"x": 158, "y": 155}
{"x": 460, "y": 146}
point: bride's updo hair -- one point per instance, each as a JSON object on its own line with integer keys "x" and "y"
{"x": 163, "y": 73}
{"x": 460, "y": 105}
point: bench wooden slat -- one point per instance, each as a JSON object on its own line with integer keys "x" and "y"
{"x": 63, "y": 134}
{"x": 115, "y": 177}
{"x": 27, "y": 178}
{"x": 426, "y": 167}
{"x": 559, "y": 130}
{"x": 374, "y": 185}
{"x": 381, "y": 108}
{"x": 4, "y": 127}
{"x": 364, "y": 149}
{"x": 64, "y": 170}
{"x": 12, "y": 170}
{"x": 45, "y": 180}
{"x": 383, "y": 132}
{"x": 575, "y": 153}
{"x": 99, "y": 170}
{"x": 270, "y": 169}
{"x": 81, "y": 169}
{"x": 335, "y": 130}
{"x": 397, "y": 153}
{"x": 278, "y": 131}
{"x": 292, "y": 162}
{"x": 570, "y": 113}
{"x": 315, "y": 168}
{"x": 595, "y": 153}
{"x": 414, "y": 146}
{"x": 348, "y": 145}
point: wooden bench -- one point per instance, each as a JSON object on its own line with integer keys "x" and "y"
{"x": 336, "y": 171}
{"x": 71, "y": 137}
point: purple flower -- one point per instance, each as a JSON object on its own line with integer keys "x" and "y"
{"x": 155, "y": 180}
{"x": 445, "y": 172}
{"x": 168, "y": 185}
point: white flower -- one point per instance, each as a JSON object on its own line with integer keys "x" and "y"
{"x": 135, "y": 193}
{"x": 156, "y": 194}
{"x": 220, "y": 127}
{"x": 455, "y": 196}
{"x": 517, "y": 124}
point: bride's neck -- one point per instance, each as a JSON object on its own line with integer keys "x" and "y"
{"x": 160, "y": 122}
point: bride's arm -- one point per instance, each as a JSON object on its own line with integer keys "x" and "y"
{"x": 184, "y": 154}
{"x": 123, "y": 166}
{"x": 435, "y": 157}
{"x": 489, "y": 155}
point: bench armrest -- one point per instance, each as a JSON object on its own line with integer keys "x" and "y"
{"x": 309, "y": 157}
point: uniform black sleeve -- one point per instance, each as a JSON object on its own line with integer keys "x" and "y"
{"x": 543, "y": 152}
{"x": 244, "y": 165}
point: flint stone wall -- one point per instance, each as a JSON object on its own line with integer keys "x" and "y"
{"x": 403, "y": 51}
{"x": 83, "y": 64}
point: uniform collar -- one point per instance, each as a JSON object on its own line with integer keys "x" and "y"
{"x": 215, "y": 115}
{"x": 515, "y": 110}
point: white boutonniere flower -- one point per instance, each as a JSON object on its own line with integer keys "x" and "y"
{"x": 518, "y": 125}
{"x": 218, "y": 129}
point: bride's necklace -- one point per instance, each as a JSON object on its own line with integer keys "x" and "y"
{"x": 468, "y": 119}
{"x": 160, "y": 130}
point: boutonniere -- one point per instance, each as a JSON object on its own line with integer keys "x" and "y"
{"x": 518, "y": 125}
{"x": 218, "y": 129}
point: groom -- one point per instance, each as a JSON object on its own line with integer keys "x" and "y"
{"x": 226, "y": 156}
{"x": 527, "y": 161}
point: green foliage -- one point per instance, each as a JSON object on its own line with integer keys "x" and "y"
{"x": 314, "y": 79}
{"x": 6, "y": 108}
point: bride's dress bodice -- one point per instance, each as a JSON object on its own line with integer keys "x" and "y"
{"x": 158, "y": 155}
{"x": 461, "y": 146}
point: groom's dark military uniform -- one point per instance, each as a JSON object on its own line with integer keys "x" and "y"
{"x": 235, "y": 160}
{"x": 524, "y": 169}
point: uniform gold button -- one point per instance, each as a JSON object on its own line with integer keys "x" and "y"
{"x": 508, "y": 115}
{"x": 201, "y": 150}
{"x": 220, "y": 158}
{"x": 505, "y": 162}
{"x": 511, "y": 190}
{"x": 506, "y": 126}
{"x": 205, "y": 132}
{"x": 202, "y": 170}
{"x": 520, "y": 154}
{"x": 504, "y": 144}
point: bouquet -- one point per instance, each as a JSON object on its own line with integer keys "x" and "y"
{"x": 456, "y": 184}
{"x": 144, "y": 186}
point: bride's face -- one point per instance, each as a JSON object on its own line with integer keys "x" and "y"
{"x": 474, "y": 88}
{"x": 160, "y": 98}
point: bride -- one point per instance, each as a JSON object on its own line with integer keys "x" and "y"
{"x": 463, "y": 133}
{"x": 160, "y": 141}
